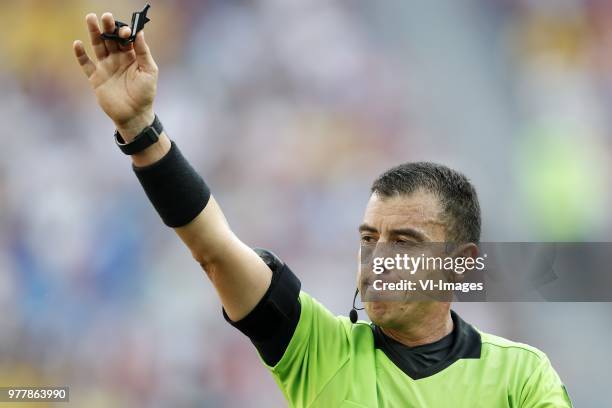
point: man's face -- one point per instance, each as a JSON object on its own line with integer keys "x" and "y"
{"x": 404, "y": 219}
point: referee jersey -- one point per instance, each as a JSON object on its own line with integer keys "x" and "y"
{"x": 321, "y": 360}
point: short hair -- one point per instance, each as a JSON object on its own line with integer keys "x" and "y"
{"x": 457, "y": 196}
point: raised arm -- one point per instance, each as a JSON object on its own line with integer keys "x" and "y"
{"x": 124, "y": 79}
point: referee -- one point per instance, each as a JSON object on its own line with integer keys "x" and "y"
{"x": 414, "y": 354}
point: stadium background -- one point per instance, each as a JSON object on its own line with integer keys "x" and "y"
{"x": 290, "y": 109}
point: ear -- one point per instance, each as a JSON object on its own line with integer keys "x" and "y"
{"x": 465, "y": 251}
{"x": 469, "y": 250}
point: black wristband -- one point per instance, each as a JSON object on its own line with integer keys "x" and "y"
{"x": 144, "y": 139}
{"x": 175, "y": 189}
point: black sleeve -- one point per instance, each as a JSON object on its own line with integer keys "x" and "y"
{"x": 270, "y": 325}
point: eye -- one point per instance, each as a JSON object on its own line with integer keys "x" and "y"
{"x": 404, "y": 242}
{"x": 368, "y": 239}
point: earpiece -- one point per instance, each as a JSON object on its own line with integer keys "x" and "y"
{"x": 353, "y": 313}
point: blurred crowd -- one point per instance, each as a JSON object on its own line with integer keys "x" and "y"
{"x": 289, "y": 108}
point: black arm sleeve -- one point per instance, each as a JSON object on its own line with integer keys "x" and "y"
{"x": 175, "y": 189}
{"x": 271, "y": 324}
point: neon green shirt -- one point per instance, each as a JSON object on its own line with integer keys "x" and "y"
{"x": 330, "y": 362}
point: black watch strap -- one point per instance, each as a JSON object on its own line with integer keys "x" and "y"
{"x": 144, "y": 139}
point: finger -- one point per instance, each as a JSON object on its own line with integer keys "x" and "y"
{"x": 94, "y": 34}
{"x": 86, "y": 63}
{"x": 143, "y": 54}
{"x": 108, "y": 25}
{"x": 125, "y": 32}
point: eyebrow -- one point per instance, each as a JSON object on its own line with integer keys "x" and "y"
{"x": 367, "y": 228}
{"x": 411, "y": 232}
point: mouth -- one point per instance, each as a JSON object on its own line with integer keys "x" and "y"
{"x": 369, "y": 293}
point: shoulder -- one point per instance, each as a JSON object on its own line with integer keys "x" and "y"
{"x": 521, "y": 362}
{"x": 313, "y": 309}
{"x": 527, "y": 370}
{"x": 316, "y": 319}
{"x": 511, "y": 353}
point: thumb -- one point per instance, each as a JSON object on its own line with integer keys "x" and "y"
{"x": 143, "y": 54}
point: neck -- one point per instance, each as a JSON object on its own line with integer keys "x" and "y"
{"x": 426, "y": 330}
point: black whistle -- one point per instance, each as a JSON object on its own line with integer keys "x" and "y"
{"x": 139, "y": 19}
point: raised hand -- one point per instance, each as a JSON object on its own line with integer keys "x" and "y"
{"x": 124, "y": 78}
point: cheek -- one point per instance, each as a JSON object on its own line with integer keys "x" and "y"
{"x": 382, "y": 313}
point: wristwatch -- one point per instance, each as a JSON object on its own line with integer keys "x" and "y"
{"x": 144, "y": 139}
